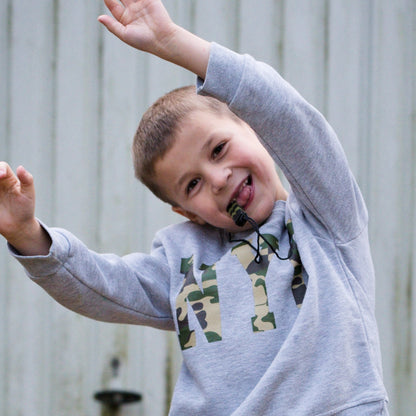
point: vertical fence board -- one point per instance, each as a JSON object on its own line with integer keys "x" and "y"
{"x": 77, "y": 126}
{"x": 259, "y": 30}
{"x": 217, "y": 21}
{"x": 75, "y": 190}
{"x": 4, "y": 77}
{"x": 29, "y": 127}
{"x": 121, "y": 221}
{"x": 3, "y": 330}
{"x": 304, "y": 48}
{"x": 412, "y": 260}
{"x": 346, "y": 71}
{"x": 4, "y": 113}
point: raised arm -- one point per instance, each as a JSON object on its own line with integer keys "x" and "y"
{"x": 296, "y": 135}
{"x": 146, "y": 25}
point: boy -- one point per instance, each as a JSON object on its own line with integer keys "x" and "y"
{"x": 275, "y": 316}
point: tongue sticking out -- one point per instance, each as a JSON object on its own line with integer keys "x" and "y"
{"x": 244, "y": 196}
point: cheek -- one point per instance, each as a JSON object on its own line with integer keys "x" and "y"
{"x": 248, "y": 155}
{"x": 203, "y": 207}
{"x": 263, "y": 165}
{"x": 252, "y": 148}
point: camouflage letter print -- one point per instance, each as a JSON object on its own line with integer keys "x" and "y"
{"x": 264, "y": 319}
{"x": 205, "y": 304}
{"x": 298, "y": 283}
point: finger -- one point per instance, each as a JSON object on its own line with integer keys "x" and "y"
{"x": 116, "y": 8}
{"x": 25, "y": 178}
{"x": 115, "y": 27}
{"x": 128, "y": 2}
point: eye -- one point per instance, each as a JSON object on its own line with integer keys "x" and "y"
{"x": 191, "y": 185}
{"x": 218, "y": 150}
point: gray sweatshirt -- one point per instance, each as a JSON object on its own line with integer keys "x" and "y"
{"x": 280, "y": 337}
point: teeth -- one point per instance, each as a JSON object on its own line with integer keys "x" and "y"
{"x": 243, "y": 185}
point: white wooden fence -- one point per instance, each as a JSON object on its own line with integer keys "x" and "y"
{"x": 71, "y": 96}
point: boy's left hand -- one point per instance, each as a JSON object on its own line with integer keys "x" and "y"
{"x": 143, "y": 24}
{"x": 147, "y": 26}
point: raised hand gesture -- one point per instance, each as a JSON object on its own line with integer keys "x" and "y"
{"x": 143, "y": 24}
{"x": 17, "y": 212}
{"x": 147, "y": 26}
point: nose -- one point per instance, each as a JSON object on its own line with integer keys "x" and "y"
{"x": 218, "y": 178}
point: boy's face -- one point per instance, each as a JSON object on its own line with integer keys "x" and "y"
{"x": 213, "y": 161}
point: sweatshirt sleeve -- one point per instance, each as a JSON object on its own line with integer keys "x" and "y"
{"x": 133, "y": 289}
{"x": 296, "y": 135}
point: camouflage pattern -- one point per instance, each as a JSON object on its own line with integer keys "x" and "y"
{"x": 298, "y": 283}
{"x": 263, "y": 320}
{"x": 205, "y": 304}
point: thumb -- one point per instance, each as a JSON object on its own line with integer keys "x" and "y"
{"x": 112, "y": 25}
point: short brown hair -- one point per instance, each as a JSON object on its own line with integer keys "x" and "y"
{"x": 156, "y": 132}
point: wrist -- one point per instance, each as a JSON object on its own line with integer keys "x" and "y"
{"x": 185, "y": 49}
{"x": 31, "y": 239}
{"x": 165, "y": 42}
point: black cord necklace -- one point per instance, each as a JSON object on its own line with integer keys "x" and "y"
{"x": 240, "y": 217}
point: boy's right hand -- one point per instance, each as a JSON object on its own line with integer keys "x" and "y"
{"x": 17, "y": 212}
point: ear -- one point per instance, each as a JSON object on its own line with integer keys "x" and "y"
{"x": 190, "y": 215}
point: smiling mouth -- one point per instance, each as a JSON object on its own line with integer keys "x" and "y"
{"x": 244, "y": 194}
